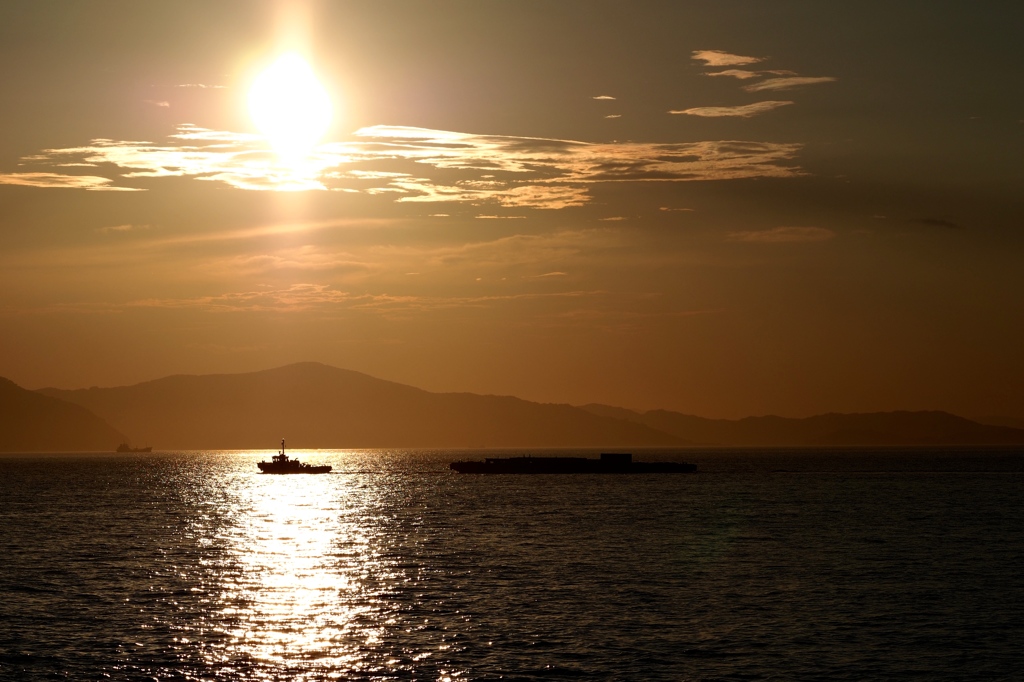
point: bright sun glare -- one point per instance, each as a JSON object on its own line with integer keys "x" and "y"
{"x": 290, "y": 106}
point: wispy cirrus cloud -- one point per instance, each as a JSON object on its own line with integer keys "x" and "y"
{"x": 121, "y": 228}
{"x": 306, "y": 297}
{"x": 412, "y": 165}
{"x": 294, "y": 298}
{"x": 525, "y": 251}
{"x": 306, "y": 258}
{"x": 741, "y": 74}
{"x": 745, "y": 110}
{"x": 721, "y": 58}
{"x": 58, "y": 180}
{"x": 568, "y": 161}
{"x": 779, "y": 235}
{"x": 787, "y": 83}
{"x": 745, "y": 74}
{"x": 604, "y": 97}
{"x": 781, "y": 80}
{"x": 549, "y": 277}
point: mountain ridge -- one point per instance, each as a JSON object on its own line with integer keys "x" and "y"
{"x": 317, "y": 405}
{"x": 900, "y": 427}
{"x": 31, "y": 422}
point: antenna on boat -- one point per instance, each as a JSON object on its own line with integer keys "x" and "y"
{"x": 282, "y": 446}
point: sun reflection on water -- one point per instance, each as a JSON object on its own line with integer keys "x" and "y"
{"x": 293, "y": 589}
{"x": 308, "y": 577}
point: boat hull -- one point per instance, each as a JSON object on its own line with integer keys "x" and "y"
{"x": 272, "y": 468}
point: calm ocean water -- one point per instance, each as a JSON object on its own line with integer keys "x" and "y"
{"x": 771, "y": 564}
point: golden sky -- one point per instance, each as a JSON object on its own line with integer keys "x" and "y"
{"x": 722, "y": 208}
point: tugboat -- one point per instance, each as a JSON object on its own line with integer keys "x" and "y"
{"x": 281, "y": 464}
{"x": 610, "y": 463}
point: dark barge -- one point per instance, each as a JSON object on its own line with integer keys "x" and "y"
{"x": 610, "y": 463}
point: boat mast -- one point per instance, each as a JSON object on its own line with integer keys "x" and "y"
{"x": 282, "y": 446}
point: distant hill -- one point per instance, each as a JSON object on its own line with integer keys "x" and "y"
{"x": 30, "y": 422}
{"x": 878, "y": 428}
{"x": 1013, "y": 422}
{"x": 317, "y": 406}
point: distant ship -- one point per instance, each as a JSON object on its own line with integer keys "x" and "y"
{"x": 610, "y": 463}
{"x": 124, "y": 447}
{"x": 281, "y": 464}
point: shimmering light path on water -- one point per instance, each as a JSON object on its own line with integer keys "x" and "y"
{"x": 846, "y": 564}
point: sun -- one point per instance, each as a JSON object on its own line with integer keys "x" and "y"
{"x": 290, "y": 106}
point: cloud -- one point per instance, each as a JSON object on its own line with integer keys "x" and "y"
{"x": 785, "y": 83}
{"x": 273, "y": 229}
{"x": 784, "y": 234}
{"x": 371, "y": 175}
{"x": 308, "y": 258}
{"x": 604, "y": 97}
{"x": 121, "y": 228}
{"x": 202, "y": 86}
{"x": 745, "y": 111}
{"x": 51, "y": 180}
{"x": 509, "y": 255}
{"x": 553, "y": 173}
{"x": 295, "y": 298}
{"x": 742, "y": 74}
{"x": 937, "y": 222}
{"x": 666, "y": 208}
{"x": 305, "y": 297}
{"x": 720, "y": 58}
{"x": 614, "y": 116}
{"x": 158, "y": 103}
{"x": 540, "y": 196}
{"x": 415, "y": 165}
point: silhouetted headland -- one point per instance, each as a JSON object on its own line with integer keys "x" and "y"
{"x": 609, "y": 463}
{"x": 31, "y": 422}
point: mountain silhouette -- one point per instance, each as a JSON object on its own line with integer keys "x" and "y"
{"x": 876, "y": 428}
{"x": 31, "y": 422}
{"x": 318, "y": 406}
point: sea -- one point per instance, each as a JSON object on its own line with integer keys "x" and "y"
{"x": 767, "y": 564}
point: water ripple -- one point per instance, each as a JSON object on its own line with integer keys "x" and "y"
{"x": 192, "y": 566}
